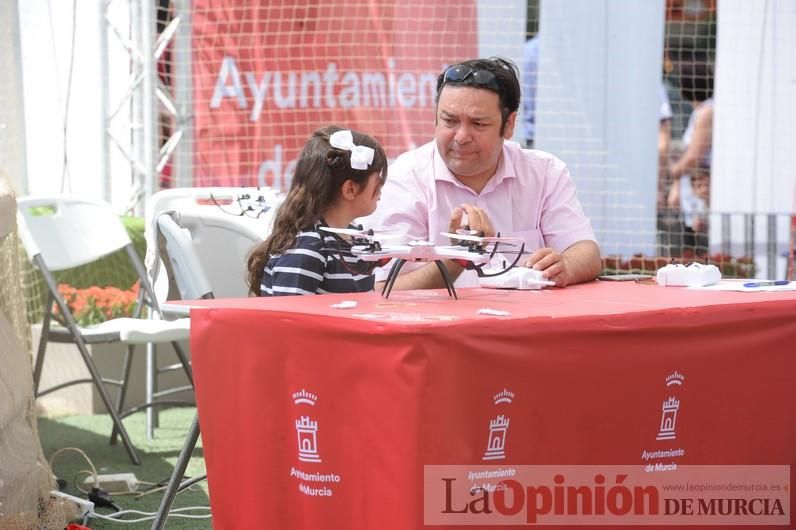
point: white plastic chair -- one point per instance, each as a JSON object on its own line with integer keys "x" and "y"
{"x": 221, "y": 225}
{"x": 224, "y": 225}
{"x": 188, "y": 271}
{"x": 61, "y": 233}
{"x": 192, "y": 284}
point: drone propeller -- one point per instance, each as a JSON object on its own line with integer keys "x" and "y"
{"x": 358, "y": 233}
{"x": 466, "y": 231}
{"x": 483, "y": 239}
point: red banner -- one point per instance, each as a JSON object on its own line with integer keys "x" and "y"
{"x": 267, "y": 74}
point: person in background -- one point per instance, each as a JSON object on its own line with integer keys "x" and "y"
{"x": 530, "y": 77}
{"x": 700, "y": 186}
{"x": 664, "y": 139}
{"x": 669, "y": 234}
{"x": 690, "y": 173}
{"x": 471, "y": 169}
{"x": 339, "y": 176}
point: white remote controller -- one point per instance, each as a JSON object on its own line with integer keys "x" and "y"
{"x": 693, "y": 275}
{"x": 517, "y": 278}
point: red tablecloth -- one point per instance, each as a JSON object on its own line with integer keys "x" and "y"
{"x": 316, "y": 417}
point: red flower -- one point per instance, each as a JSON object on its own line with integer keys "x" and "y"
{"x": 94, "y": 305}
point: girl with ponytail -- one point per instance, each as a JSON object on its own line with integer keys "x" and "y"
{"x": 338, "y": 178}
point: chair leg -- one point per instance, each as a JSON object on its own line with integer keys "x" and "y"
{"x": 183, "y": 357}
{"x": 176, "y": 475}
{"x": 43, "y": 338}
{"x": 52, "y": 285}
{"x": 151, "y": 388}
{"x": 126, "y": 366}
{"x": 109, "y": 405}
{"x": 152, "y": 372}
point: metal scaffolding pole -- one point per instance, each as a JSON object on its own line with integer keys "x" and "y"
{"x": 183, "y": 94}
{"x": 148, "y": 99}
{"x": 149, "y": 121}
{"x": 106, "y": 182}
{"x": 12, "y": 117}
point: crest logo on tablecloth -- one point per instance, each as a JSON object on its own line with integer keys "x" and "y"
{"x": 498, "y": 428}
{"x": 304, "y": 397}
{"x": 307, "y": 431}
{"x": 670, "y": 408}
{"x": 307, "y": 428}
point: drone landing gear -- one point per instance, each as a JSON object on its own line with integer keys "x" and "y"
{"x": 396, "y": 268}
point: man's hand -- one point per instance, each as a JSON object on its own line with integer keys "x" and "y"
{"x": 551, "y": 263}
{"x": 579, "y": 263}
{"x": 428, "y": 276}
{"x": 477, "y": 220}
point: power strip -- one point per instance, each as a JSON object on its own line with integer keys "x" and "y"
{"x": 113, "y": 483}
{"x": 82, "y": 507}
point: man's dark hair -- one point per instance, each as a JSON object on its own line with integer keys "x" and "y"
{"x": 507, "y": 78}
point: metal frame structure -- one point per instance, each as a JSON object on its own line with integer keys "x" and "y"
{"x": 148, "y": 98}
{"x": 12, "y": 116}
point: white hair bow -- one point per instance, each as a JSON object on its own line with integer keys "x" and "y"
{"x": 361, "y": 155}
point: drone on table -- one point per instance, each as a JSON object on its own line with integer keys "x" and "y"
{"x": 473, "y": 251}
{"x": 246, "y": 202}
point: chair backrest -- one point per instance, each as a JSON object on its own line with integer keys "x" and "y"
{"x": 69, "y": 231}
{"x": 64, "y": 232}
{"x": 252, "y": 205}
{"x": 186, "y": 267}
{"x": 223, "y": 230}
{"x": 222, "y": 245}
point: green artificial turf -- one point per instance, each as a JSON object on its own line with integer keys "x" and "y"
{"x": 91, "y": 435}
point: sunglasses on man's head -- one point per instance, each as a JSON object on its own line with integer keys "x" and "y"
{"x": 464, "y": 74}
